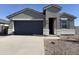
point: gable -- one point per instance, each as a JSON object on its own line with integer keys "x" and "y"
{"x": 34, "y": 14}
{"x": 26, "y": 14}
{"x": 53, "y": 8}
{"x": 21, "y": 17}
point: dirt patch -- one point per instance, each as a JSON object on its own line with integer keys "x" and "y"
{"x": 61, "y": 47}
{"x": 72, "y": 37}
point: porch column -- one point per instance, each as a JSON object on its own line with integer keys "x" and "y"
{"x": 58, "y": 25}
{"x": 46, "y": 27}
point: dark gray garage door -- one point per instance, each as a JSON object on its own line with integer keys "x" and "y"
{"x": 28, "y": 27}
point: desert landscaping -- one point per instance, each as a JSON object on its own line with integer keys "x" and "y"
{"x": 66, "y": 45}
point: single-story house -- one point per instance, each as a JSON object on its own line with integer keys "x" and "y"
{"x": 49, "y": 22}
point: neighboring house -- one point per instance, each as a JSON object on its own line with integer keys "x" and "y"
{"x": 3, "y": 25}
{"x": 48, "y": 22}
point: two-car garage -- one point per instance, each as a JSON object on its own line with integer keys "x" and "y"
{"x": 27, "y": 22}
{"x": 28, "y": 27}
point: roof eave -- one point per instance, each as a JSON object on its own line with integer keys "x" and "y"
{"x": 64, "y": 13}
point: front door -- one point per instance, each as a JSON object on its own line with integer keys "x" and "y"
{"x": 51, "y": 25}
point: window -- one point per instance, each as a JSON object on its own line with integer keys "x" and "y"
{"x": 64, "y": 23}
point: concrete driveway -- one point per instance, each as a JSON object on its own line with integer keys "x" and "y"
{"x": 28, "y": 45}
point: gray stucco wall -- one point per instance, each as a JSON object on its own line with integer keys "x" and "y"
{"x": 71, "y": 24}
{"x": 23, "y": 16}
{"x": 77, "y": 30}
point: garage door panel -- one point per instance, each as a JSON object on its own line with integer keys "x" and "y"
{"x": 28, "y": 27}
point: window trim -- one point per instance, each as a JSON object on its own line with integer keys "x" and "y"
{"x": 67, "y": 22}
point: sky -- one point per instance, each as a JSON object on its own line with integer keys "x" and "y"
{"x": 7, "y": 9}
